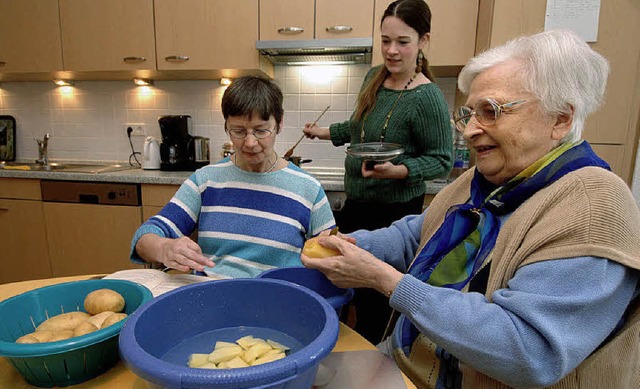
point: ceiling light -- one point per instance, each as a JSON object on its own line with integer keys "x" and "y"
{"x": 63, "y": 82}
{"x": 142, "y": 81}
{"x": 225, "y": 81}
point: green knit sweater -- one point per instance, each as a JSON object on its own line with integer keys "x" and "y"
{"x": 420, "y": 122}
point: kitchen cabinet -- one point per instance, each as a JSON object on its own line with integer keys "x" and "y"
{"x": 453, "y": 34}
{"x": 315, "y": 19}
{"x": 29, "y": 36}
{"x": 154, "y": 197}
{"x": 107, "y": 35}
{"x": 613, "y": 130}
{"x": 90, "y": 238}
{"x": 207, "y": 34}
{"x": 24, "y": 254}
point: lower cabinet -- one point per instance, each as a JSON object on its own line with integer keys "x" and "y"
{"x": 88, "y": 238}
{"x": 23, "y": 253}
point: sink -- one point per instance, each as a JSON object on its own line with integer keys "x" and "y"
{"x": 71, "y": 167}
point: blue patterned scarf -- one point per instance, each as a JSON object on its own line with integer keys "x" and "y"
{"x": 457, "y": 250}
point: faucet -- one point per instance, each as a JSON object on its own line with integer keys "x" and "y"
{"x": 43, "y": 157}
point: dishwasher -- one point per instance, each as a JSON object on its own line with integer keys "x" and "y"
{"x": 89, "y": 225}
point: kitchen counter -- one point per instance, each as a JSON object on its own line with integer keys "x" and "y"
{"x": 330, "y": 178}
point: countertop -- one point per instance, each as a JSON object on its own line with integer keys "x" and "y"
{"x": 330, "y": 178}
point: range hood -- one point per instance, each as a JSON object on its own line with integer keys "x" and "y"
{"x": 317, "y": 51}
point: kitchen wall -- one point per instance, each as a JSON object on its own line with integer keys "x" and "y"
{"x": 88, "y": 121}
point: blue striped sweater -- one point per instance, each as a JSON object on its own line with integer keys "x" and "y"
{"x": 247, "y": 222}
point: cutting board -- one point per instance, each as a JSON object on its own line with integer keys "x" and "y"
{"x": 7, "y": 138}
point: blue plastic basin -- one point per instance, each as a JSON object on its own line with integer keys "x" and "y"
{"x": 157, "y": 340}
{"x": 314, "y": 280}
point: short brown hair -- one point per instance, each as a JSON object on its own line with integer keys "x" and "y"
{"x": 250, "y": 95}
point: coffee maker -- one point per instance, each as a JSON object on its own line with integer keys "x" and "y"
{"x": 176, "y": 142}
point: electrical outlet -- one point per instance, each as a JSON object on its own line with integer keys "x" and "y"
{"x": 138, "y": 129}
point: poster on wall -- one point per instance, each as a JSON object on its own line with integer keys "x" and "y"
{"x": 581, "y": 16}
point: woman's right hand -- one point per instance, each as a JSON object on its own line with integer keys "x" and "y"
{"x": 312, "y": 131}
{"x": 181, "y": 254}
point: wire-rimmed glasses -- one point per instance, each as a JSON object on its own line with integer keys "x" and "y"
{"x": 241, "y": 133}
{"x": 486, "y": 111}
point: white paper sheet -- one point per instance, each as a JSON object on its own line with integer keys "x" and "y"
{"x": 580, "y": 16}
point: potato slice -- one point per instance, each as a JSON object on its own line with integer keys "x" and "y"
{"x": 268, "y": 358}
{"x": 236, "y": 363}
{"x": 221, "y": 344}
{"x": 208, "y": 365}
{"x": 198, "y": 360}
{"x": 256, "y": 351}
{"x": 225, "y": 354}
{"x": 277, "y": 346}
{"x": 247, "y": 341}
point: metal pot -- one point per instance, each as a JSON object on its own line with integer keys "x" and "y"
{"x": 297, "y": 160}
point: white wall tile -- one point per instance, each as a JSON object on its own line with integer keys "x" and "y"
{"x": 89, "y": 121}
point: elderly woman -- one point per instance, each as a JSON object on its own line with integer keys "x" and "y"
{"x": 521, "y": 271}
{"x": 253, "y": 211}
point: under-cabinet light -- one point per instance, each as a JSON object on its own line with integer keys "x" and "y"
{"x": 63, "y": 82}
{"x": 142, "y": 82}
{"x": 225, "y": 81}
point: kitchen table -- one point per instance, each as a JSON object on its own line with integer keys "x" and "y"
{"x": 120, "y": 376}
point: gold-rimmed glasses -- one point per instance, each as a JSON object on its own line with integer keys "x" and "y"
{"x": 487, "y": 112}
{"x": 241, "y": 133}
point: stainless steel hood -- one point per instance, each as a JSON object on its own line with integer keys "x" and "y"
{"x": 317, "y": 51}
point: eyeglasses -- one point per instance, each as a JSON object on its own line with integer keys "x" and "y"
{"x": 242, "y": 133}
{"x": 486, "y": 111}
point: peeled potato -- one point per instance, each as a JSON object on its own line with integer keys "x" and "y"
{"x": 64, "y": 321}
{"x": 247, "y": 351}
{"x": 113, "y": 319}
{"x": 312, "y": 248}
{"x": 103, "y": 300}
{"x": 84, "y": 328}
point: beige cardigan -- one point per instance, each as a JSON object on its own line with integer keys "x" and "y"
{"x": 589, "y": 212}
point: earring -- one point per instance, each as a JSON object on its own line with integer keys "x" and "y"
{"x": 419, "y": 62}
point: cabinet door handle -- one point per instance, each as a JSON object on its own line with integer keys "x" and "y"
{"x": 2, "y": 63}
{"x": 134, "y": 60}
{"x": 290, "y": 30}
{"x": 339, "y": 29}
{"x": 3, "y": 209}
{"x": 176, "y": 58}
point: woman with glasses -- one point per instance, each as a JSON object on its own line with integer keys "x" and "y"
{"x": 398, "y": 103}
{"x": 252, "y": 211}
{"x": 523, "y": 272}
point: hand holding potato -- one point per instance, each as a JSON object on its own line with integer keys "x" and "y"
{"x": 354, "y": 268}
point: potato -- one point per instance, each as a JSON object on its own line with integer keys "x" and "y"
{"x": 247, "y": 351}
{"x": 86, "y": 327}
{"x": 98, "y": 319}
{"x": 61, "y": 335}
{"x": 113, "y": 319}
{"x": 65, "y": 321}
{"x": 312, "y": 248}
{"x": 27, "y": 339}
{"x": 43, "y": 336}
{"x": 103, "y": 300}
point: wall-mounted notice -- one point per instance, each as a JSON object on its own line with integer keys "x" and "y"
{"x": 581, "y": 16}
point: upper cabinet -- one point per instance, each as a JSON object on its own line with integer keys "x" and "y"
{"x": 107, "y": 35}
{"x": 206, "y": 34}
{"x": 453, "y": 32}
{"x": 315, "y": 19}
{"x": 29, "y": 36}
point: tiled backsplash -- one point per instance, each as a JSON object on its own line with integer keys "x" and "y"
{"x": 88, "y": 121}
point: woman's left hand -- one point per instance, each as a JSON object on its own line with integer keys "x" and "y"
{"x": 385, "y": 170}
